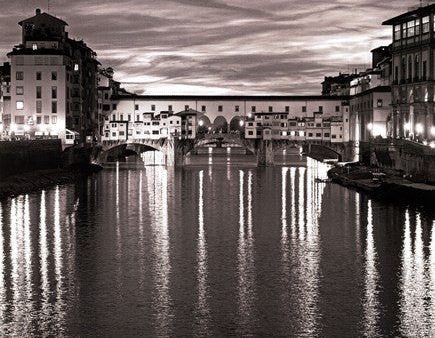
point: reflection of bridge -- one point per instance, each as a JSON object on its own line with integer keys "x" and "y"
{"x": 175, "y": 149}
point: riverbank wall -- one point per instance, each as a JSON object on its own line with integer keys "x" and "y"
{"x": 26, "y": 166}
{"x": 19, "y": 157}
{"x": 411, "y": 159}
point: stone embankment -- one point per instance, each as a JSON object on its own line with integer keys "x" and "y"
{"x": 383, "y": 183}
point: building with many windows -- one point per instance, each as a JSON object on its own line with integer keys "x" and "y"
{"x": 413, "y": 67}
{"x": 53, "y": 82}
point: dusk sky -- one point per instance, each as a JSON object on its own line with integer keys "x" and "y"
{"x": 218, "y": 46}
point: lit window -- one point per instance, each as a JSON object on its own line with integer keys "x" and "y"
{"x": 20, "y": 90}
{"x": 76, "y": 67}
{"x": 425, "y": 22}
{"x": 20, "y": 105}
{"x": 34, "y": 46}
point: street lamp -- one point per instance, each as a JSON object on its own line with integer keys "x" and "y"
{"x": 241, "y": 123}
{"x": 370, "y": 126}
{"x": 201, "y": 123}
{"x": 419, "y": 128}
{"x": 432, "y": 131}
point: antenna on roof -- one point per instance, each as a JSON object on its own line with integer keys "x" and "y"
{"x": 48, "y": 6}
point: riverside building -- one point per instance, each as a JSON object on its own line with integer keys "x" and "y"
{"x": 53, "y": 89}
{"x": 413, "y": 66}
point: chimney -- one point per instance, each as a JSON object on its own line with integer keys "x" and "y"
{"x": 38, "y": 11}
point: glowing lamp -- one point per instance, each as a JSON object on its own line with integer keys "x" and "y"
{"x": 241, "y": 123}
{"x": 407, "y": 126}
{"x": 370, "y": 126}
{"x": 292, "y": 133}
{"x": 201, "y": 123}
{"x": 432, "y": 145}
{"x": 249, "y": 115}
{"x": 432, "y": 131}
{"x": 419, "y": 128}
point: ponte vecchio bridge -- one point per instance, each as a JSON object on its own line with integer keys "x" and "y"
{"x": 176, "y": 149}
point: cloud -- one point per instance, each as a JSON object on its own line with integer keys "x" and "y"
{"x": 221, "y": 46}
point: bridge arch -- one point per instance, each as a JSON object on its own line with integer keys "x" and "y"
{"x": 204, "y": 124}
{"x": 220, "y": 125}
{"x": 237, "y": 124}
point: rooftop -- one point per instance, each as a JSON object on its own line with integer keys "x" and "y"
{"x": 416, "y": 13}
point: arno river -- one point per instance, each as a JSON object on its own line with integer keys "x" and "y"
{"x": 218, "y": 248}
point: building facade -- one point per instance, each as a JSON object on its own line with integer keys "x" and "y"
{"x": 413, "y": 74}
{"x": 53, "y": 86}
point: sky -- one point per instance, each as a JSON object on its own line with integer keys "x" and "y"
{"x": 219, "y": 47}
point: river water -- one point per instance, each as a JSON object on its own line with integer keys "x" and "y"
{"x": 218, "y": 248}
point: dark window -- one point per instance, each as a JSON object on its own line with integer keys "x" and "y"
{"x": 270, "y": 109}
{"x": 54, "y": 76}
{"x": 186, "y": 107}
{"x": 38, "y": 76}
{"x": 136, "y": 107}
{"x": 337, "y": 109}
{"x": 320, "y": 109}
{"x": 220, "y": 109}
{"x": 38, "y": 92}
{"x": 253, "y": 109}
{"x": 54, "y": 92}
{"x": 203, "y": 108}
{"x": 153, "y": 107}
{"x": 53, "y": 107}
{"x": 304, "y": 109}
{"x": 170, "y": 107}
{"x": 287, "y": 109}
{"x": 114, "y": 106}
{"x": 236, "y": 109}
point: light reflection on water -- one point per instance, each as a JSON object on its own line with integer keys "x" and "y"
{"x": 228, "y": 250}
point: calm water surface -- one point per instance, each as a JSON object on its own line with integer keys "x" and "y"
{"x": 218, "y": 248}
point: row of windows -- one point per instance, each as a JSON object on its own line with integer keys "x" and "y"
{"x": 20, "y": 76}
{"x": 366, "y": 105}
{"x": 20, "y": 119}
{"x": 20, "y": 91}
{"x": 20, "y": 106}
{"x": 412, "y": 28}
{"x": 237, "y": 108}
{"x": 411, "y": 66}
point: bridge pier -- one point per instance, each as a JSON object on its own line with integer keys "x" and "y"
{"x": 265, "y": 155}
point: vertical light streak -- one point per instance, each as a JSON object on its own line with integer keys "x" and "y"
{"x": 301, "y": 204}
{"x": 162, "y": 303}
{"x": 371, "y": 301}
{"x": 244, "y": 277}
{"x": 202, "y": 303}
{"x": 58, "y": 263}
{"x": 293, "y": 203}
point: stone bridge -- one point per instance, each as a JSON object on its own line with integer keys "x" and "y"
{"x": 175, "y": 149}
